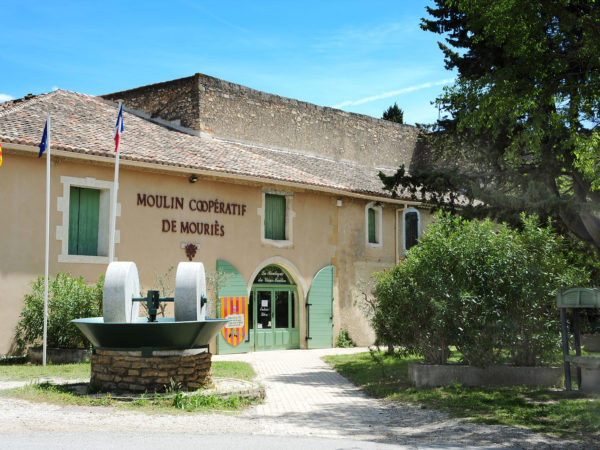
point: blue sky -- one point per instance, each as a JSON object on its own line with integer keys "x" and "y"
{"x": 359, "y": 56}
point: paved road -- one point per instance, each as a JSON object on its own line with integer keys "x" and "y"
{"x": 308, "y": 405}
{"x": 306, "y": 397}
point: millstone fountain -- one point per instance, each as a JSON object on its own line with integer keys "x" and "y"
{"x": 135, "y": 353}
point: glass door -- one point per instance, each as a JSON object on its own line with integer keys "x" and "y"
{"x": 275, "y": 310}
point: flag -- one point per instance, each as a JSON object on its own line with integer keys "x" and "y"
{"x": 0, "y": 153}
{"x": 44, "y": 144}
{"x": 119, "y": 127}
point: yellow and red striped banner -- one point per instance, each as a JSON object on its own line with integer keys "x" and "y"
{"x": 0, "y": 153}
{"x": 236, "y": 310}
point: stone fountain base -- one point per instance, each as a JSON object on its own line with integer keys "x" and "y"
{"x": 185, "y": 370}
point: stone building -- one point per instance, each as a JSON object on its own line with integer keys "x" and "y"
{"x": 278, "y": 198}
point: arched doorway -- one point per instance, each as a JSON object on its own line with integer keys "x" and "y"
{"x": 273, "y": 310}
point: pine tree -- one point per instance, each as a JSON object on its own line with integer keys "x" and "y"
{"x": 521, "y": 120}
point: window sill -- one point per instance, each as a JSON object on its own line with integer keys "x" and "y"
{"x": 276, "y": 243}
{"x": 371, "y": 245}
{"x": 83, "y": 259}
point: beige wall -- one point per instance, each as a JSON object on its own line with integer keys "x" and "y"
{"x": 323, "y": 234}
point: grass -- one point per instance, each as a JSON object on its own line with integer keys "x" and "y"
{"x": 568, "y": 415}
{"x": 28, "y": 372}
{"x": 171, "y": 402}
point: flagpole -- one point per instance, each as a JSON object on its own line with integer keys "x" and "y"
{"x": 113, "y": 218}
{"x": 47, "y": 244}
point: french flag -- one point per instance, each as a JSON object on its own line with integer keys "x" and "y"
{"x": 119, "y": 127}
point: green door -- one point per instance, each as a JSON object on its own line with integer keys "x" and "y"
{"x": 276, "y": 323}
{"x": 319, "y": 310}
{"x": 231, "y": 284}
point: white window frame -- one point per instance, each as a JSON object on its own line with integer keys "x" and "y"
{"x": 289, "y": 220}
{"x": 408, "y": 210}
{"x": 62, "y": 231}
{"x": 376, "y": 206}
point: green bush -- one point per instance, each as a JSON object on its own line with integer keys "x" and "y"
{"x": 484, "y": 288}
{"x": 68, "y": 298}
{"x": 344, "y": 340}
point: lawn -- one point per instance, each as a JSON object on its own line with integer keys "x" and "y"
{"x": 172, "y": 401}
{"x": 568, "y": 415}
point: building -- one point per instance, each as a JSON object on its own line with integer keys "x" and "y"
{"x": 278, "y": 198}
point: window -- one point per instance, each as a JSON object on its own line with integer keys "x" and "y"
{"x": 411, "y": 220}
{"x": 277, "y": 218}
{"x": 373, "y": 224}
{"x": 84, "y": 207}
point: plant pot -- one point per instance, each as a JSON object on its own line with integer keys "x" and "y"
{"x": 58, "y": 355}
{"x": 591, "y": 342}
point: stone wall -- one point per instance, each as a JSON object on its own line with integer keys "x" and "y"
{"x": 174, "y": 101}
{"x": 130, "y": 371}
{"x": 236, "y": 112}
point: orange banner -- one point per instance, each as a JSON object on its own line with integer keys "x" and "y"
{"x": 236, "y": 310}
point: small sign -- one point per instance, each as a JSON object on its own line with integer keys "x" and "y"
{"x": 236, "y": 321}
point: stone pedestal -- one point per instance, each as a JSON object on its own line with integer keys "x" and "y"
{"x": 132, "y": 371}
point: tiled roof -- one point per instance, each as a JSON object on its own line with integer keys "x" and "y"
{"x": 84, "y": 124}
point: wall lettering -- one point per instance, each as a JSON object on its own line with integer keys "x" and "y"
{"x": 210, "y": 206}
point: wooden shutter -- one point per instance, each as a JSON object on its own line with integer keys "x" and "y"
{"x": 320, "y": 310}
{"x": 371, "y": 224}
{"x": 231, "y": 284}
{"x": 84, "y": 205}
{"x": 411, "y": 229}
{"x": 275, "y": 217}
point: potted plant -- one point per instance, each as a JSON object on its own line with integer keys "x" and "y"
{"x": 68, "y": 298}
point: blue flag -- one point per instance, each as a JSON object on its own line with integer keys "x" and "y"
{"x": 44, "y": 144}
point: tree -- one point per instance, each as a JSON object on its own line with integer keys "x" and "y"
{"x": 520, "y": 126}
{"x": 393, "y": 114}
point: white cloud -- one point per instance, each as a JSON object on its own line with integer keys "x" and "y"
{"x": 5, "y": 97}
{"x": 55, "y": 88}
{"x": 393, "y": 93}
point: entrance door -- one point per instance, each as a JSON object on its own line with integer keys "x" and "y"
{"x": 275, "y": 310}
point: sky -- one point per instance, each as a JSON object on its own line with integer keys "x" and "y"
{"x": 359, "y": 56}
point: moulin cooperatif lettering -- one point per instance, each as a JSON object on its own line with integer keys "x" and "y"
{"x": 210, "y": 206}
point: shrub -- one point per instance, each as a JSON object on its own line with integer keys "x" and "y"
{"x": 68, "y": 298}
{"x": 485, "y": 288}
{"x": 344, "y": 340}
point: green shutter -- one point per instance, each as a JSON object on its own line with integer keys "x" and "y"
{"x": 231, "y": 284}
{"x": 372, "y": 235}
{"x": 320, "y": 311}
{"x": 84, "y": 205}
{"x": 275, "y": 217}
{"x": 230, "y": 281}
{"x": 411, "y": 229}
{"x": 73, "y": 220}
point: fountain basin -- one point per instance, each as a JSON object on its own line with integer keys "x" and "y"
{"x": 165, "y": 333}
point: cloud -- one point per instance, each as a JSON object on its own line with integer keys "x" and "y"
{"x": 55, "y": 88}
{"x": 6, "y": 98}
{"x": 393, "y": 93}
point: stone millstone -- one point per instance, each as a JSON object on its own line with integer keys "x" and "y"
{"x": 121, "y": 284}
{"x": 190, "y": 286}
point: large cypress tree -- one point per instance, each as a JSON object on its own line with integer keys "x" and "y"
{"x": 520, "y": 125}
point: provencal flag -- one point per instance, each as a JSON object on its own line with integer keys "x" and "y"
{"x": 0, "y": 153}
{"x": 236, "y": 310}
